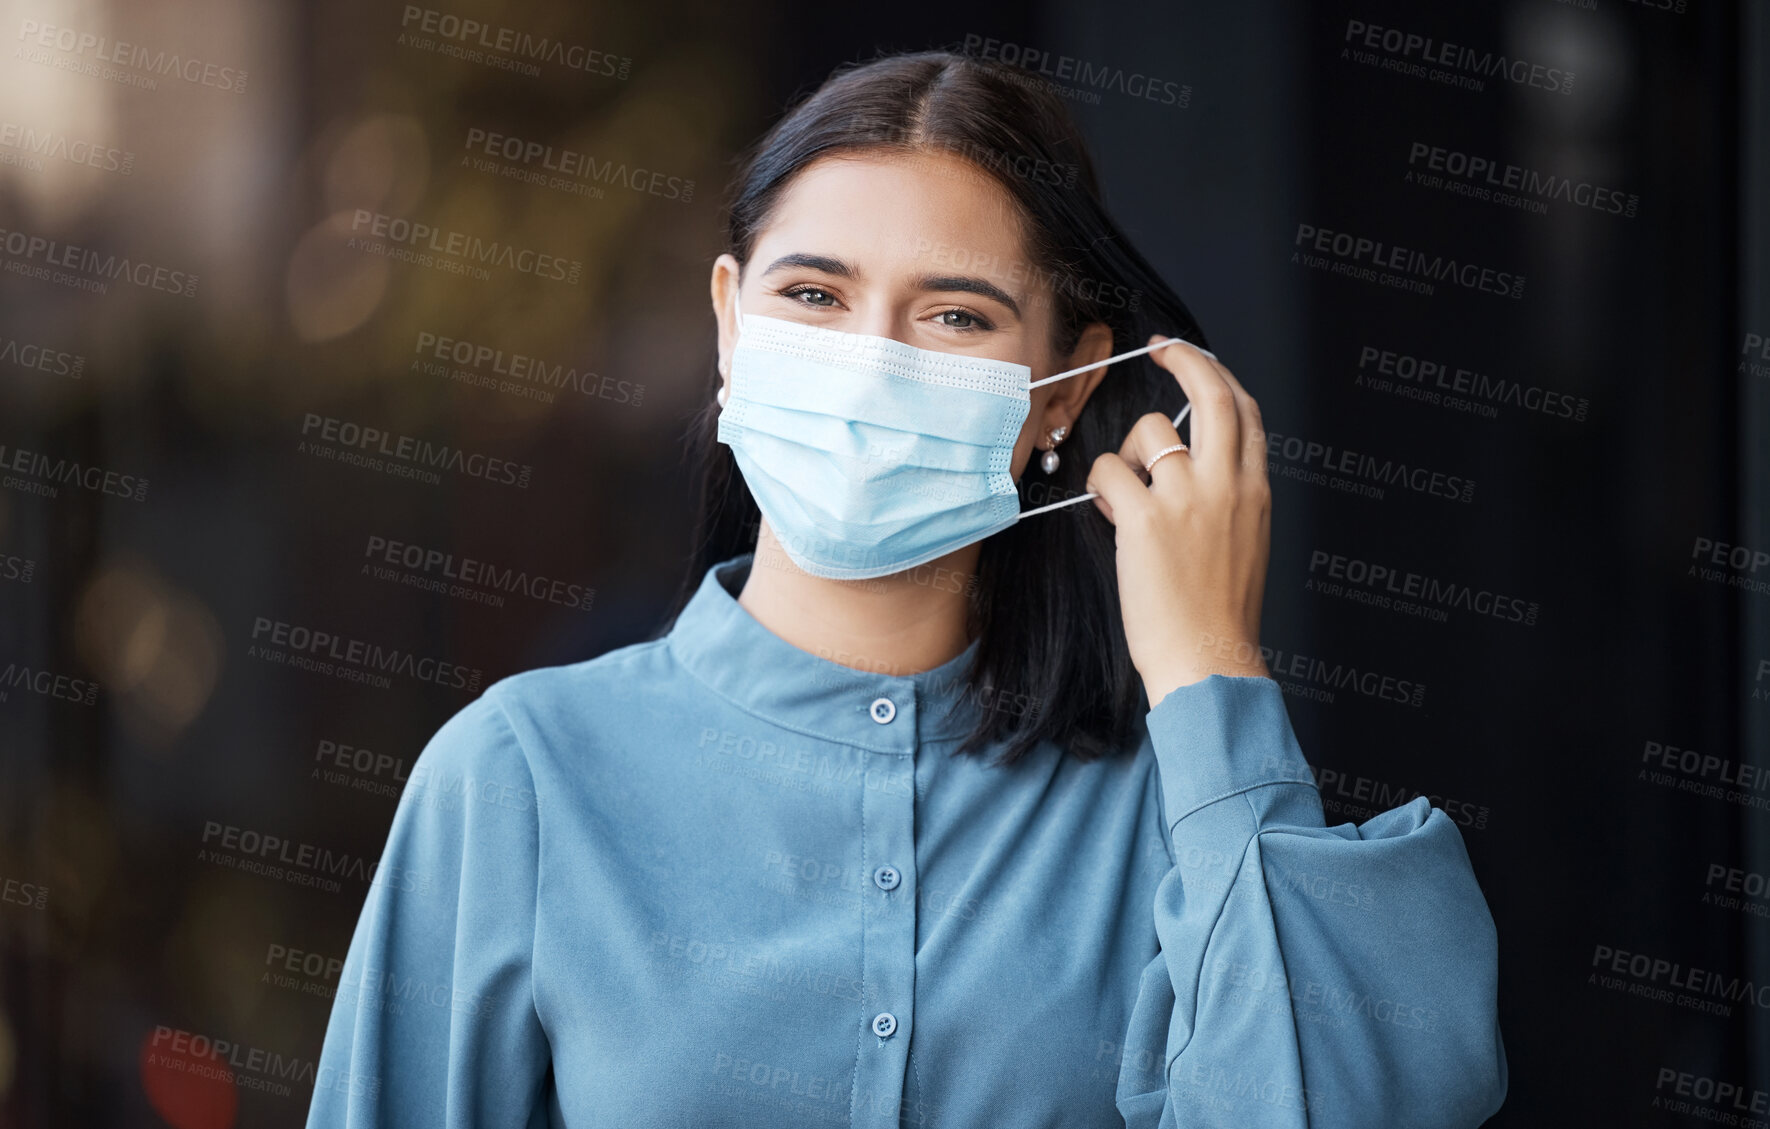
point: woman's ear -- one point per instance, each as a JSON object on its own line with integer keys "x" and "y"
{"x": 724, "y": 284}
{"x": 1070, "y": 395}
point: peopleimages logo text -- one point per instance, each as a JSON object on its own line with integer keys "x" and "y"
{"x": 339, "y": 648}
{"x": 1488, "y": 64}
{"x": 513, "y": 42}
{"x": 1360, "y": 251}
{"x": 27, "y": 247}
{"x": 461, "y": 245}
{"x": 107, "y": 50}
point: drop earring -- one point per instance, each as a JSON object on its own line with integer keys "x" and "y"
{"x": 1049, "y": 461}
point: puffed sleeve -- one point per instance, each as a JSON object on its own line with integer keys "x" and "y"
{"x": 1308, "y": 976}
{"x": 434, "y": 1022}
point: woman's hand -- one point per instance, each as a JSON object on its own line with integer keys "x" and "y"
{"x": 1193, "y": 543}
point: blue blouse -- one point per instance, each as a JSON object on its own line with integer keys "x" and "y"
{"x": 716, "y": 880}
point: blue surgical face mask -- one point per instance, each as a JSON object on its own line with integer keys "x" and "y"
{"x": 868, "y": 456}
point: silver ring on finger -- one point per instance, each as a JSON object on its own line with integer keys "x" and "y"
{"x": 1161, "y": 454}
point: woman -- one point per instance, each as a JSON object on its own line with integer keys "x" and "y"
{"x": 918, "y": 813}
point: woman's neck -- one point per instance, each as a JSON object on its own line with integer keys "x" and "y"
{"x": 896, "y": 625}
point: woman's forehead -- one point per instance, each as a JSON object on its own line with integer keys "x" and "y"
{"x": 898, "y": 210}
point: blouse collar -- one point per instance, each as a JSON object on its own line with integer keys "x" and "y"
{"x": 717, "y": 640}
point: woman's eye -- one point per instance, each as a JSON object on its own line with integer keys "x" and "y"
{"x": 807, "y": 290}
{"x": 967, "y": 320}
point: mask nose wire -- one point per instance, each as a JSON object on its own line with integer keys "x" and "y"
{"x": 1060, "y": 376}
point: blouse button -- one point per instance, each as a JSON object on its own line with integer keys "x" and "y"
{"x": 883, "y": 710}
{"x": 886, "y": 877}
{"x": 884, "y": 1024}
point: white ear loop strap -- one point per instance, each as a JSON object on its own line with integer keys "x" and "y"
{"x": 1122, "y": 356}
{"x": 1097, "y": 364}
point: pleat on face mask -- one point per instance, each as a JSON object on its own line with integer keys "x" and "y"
{"x": 869, "y": 456}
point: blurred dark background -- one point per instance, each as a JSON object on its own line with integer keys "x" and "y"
{"x": 199, "y": 319}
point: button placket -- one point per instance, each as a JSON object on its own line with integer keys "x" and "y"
{"x": 888, "y": 966}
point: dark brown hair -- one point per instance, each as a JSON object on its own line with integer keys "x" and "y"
{"x": 1051, "y": 661}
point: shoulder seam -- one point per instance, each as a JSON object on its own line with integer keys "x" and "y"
{"x": 535, "y": 799}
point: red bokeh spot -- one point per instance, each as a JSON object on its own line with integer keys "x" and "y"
{"x": 191, "y": 1090}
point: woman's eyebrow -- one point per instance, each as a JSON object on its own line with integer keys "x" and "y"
{"x": 841, "y": 268}
{"x": 829, "y": 264}
{"x": 969, "y": 285}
